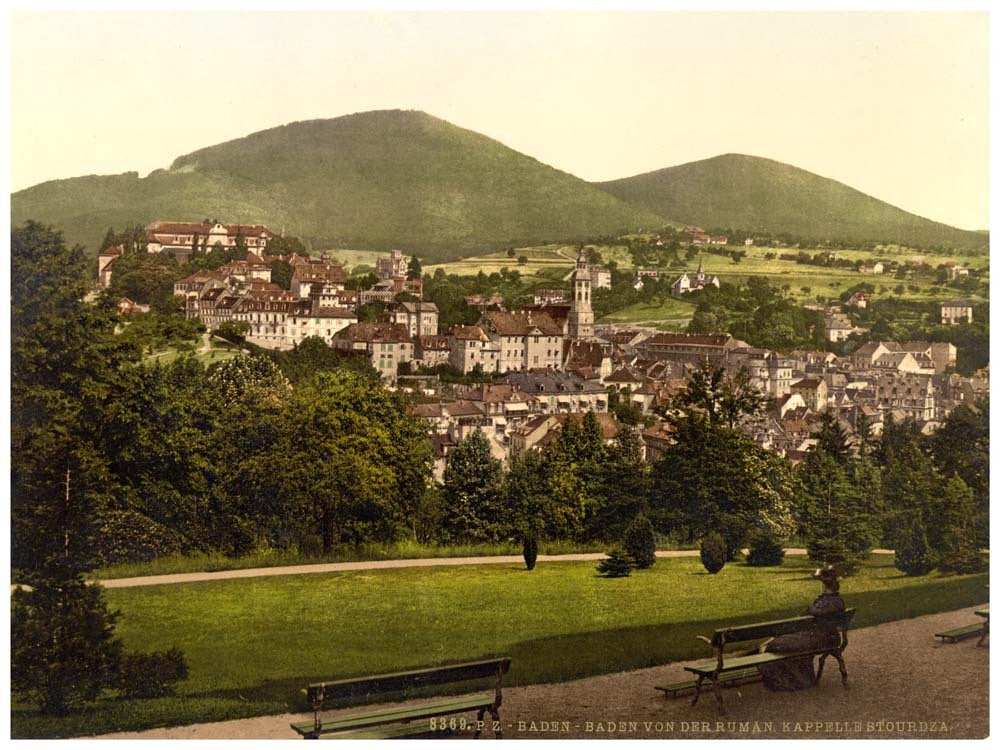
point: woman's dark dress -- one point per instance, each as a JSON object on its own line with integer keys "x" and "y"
{"x": 798, "y": 674}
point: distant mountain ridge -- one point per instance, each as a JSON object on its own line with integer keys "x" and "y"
{"x": 388, "y": 178}
{"x": 754, "y": 193}
{"x": 394, "y": 178}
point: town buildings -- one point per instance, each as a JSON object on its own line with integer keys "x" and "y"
{"x": 956, "y": 311}
{"x": 700, "y": 280}
{"x": 182, "y": 239}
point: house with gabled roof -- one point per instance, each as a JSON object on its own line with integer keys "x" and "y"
{"x": 526, "y": 340}
{"x": 386, "y": 344}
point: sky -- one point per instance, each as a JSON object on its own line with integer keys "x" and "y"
{"x": 893, "y": 104}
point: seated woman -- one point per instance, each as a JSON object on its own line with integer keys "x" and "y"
{"x": 798, "y": 674}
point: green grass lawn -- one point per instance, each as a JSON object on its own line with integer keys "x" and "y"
{"x": 252, "y": 644}
{"x": 670, "y": 314}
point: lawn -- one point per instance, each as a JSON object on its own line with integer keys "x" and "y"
{"x": 670, "y": 313}
{"x": 252, "y": 644}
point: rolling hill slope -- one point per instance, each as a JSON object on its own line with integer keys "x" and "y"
{"x": 749, "y": 192}
{"x": 370, "y": 180}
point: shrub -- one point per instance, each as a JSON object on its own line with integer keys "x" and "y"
{"x": 913, "y": 555}
{"x": 961, "y": 554}
{"x": 311, "y": 545}
{"x": 765, "y": 550}
{"x": 127, "y": 536}
{"x": 618, "y": 564}
{"x": 640, "y": 542}
{"x": 530, "y": 549}
{"x": 713, "y": 553}
{"x": 63, "y": 649}
{"x": 150, "y": 675}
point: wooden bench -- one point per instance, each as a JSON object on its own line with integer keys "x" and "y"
{"x": 725, "y": 664}
{"x": 406, "y": 721}
{"x": 960, "y": 634}
{"x": 728, "y": 680}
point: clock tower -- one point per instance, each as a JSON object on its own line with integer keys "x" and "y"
{"x": 581, "y": 314}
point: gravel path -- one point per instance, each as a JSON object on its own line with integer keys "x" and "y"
{"x": 288, "y": 570}
{"x": 903, "y": 683}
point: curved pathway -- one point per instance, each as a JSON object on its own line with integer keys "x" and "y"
{"x": 423, "y": 562}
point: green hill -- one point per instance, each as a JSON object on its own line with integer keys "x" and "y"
{"x": 370, "y": 180}
{"x": 748, "y": 192}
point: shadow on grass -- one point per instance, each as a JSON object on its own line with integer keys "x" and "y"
{"x": 550, "y": 659}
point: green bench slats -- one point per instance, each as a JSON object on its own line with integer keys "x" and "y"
{"x": 397, "y": 681}
{"x": 392, "y": 715}
{"x": 958, "y": 634}
{"x": 728, "y": 679}
{"x": 738, "y": 662}
{"x": 759, "y": 630}
{"x": 386, "y": 733}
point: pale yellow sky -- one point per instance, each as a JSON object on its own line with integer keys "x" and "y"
{"x": 893, "y": 104}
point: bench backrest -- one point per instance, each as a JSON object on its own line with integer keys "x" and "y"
{"x": 390, "y": 683}
{"x": 760, "y": 630}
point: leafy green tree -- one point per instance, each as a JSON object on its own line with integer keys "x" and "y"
{"x": 961, "y": 447}
{"x": 145, "y": 278}
{"x": 248, "y": 379}
{"x": 68, "y": 372}
{"x": 473, "y": 493}
{"x": 414, "y": 269}
{"x": 348, "y": 460}
{"x": 281, "y": 273}
{"x": 714, "y": 479}
{"x": 913, "y": 553}
{"x": 723, "y": 398}
{"x": 526, "y": 491}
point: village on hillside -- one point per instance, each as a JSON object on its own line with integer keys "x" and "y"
{"x": 548, "y": 362}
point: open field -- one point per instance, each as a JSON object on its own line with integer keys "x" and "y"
{"x": 219, "y": 350}
{"x": 253, "y": 644}
{"x": 669, "y": 314}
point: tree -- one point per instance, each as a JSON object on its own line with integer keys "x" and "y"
{"x": 473, "y": 496}
{"x": 621, "y": 489}
{"x": 348, "y": 462}
{"x": 248, "y": 379}
{"x": 640, "y": 542}
{"x": 522, "y": 260}
{"x": 834, "y": 517}
{"x": 281, "y": 273}
{"x": 714, "y": 479}
{"x": 68, "y": 374}
{"x": 913, "y": 554}
{"x": 712, "y": 552}
{"x": 723, "y": 398}
{"x": 63, "y": 649}
{"x": 961, "y": 447}
{"x": 414, "y": 270}
{"x": 832, "y": 438}
{"x": 618, "y": 564}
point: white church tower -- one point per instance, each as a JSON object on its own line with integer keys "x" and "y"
{"x": 581, "y": 314}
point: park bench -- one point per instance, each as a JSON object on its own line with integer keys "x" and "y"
{"x": 726, "y": 664}
{"x": 968, "y": 631}
{"x": 406, "y": 721}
